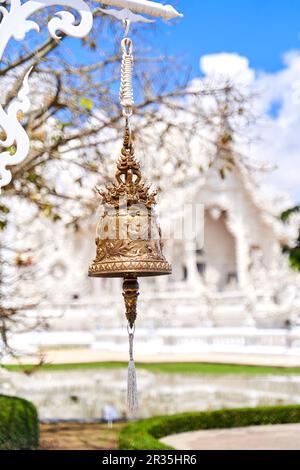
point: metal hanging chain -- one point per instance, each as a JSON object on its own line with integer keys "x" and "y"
{"x": 126, "y": 89}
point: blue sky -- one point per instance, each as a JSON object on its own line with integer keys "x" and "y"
{"x": 262, "y": 30}
{"x": 267, "y": 34}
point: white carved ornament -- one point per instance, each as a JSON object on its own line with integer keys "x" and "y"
{"x": 16, "y": 22}
{"x": 146, "y": 7}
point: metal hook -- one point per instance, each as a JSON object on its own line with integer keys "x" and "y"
{"x": 126, "y": 45}
{"x": 127, "y": 24}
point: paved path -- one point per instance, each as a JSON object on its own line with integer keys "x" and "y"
{"x": 279, "y": 437}
{"x": 62, "y": 356}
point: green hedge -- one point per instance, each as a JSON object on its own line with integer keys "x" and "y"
{"x": 19, "y": 426}
{"x": 144, "y": 435}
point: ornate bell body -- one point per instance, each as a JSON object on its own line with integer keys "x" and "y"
{"x": 128, "y": 242}
{"x": 128, "y": 235}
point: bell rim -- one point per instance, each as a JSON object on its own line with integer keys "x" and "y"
{"x": 111, "y": 275}
{"x": 120, "y": 269}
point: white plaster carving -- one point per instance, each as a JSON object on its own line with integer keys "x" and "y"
{"x": 126, "y": 15}
{"x": 157, "y": 9}
{"x": 15, "y": 134}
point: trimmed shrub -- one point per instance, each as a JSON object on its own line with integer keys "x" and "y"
{"x": 144, "y": 435}
{"x": 19, "y": 426}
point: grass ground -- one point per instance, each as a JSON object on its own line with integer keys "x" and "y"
{"x": 77, "y": 436}
{"x": 146, "y": 434}
{"x": 187, "y": 368}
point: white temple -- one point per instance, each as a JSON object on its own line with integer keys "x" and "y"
{"x": 231, "y": 287}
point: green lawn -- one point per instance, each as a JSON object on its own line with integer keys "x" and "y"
{"x": 185, "y": 368}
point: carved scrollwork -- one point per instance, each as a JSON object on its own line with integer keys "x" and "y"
{"x": 15, "y": 24}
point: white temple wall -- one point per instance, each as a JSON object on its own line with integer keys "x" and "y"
{"x": 219, "y": 249}
{"x": 245, "y": 220}
{"x": 234, "y": 226}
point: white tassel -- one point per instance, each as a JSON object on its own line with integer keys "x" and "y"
{"x": 132, "y": 395}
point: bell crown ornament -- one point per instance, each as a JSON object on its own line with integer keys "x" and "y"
{"x": 129, "y": 241}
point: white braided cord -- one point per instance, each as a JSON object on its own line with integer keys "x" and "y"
{"x": 126, "y": 89}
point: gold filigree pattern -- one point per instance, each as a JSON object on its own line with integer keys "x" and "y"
{"x": 116, "y": 250}
{"x": 122, "y": 268}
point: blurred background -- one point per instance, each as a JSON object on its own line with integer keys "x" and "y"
{"x": 216, "y": 128}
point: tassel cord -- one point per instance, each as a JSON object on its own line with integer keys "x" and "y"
{"x": 132, "y": 395}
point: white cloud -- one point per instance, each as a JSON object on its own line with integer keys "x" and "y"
{"x": 278, "y": 105}
{"x": 226, "y": 65}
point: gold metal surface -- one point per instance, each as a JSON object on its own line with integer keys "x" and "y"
{"x": 130, "y": 294}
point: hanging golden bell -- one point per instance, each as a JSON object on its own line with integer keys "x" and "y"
{"x": 129, "y": 242}
{"x": 128, "y": 238}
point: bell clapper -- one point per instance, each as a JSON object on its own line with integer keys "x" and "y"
{"x": 130, "y": 294}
